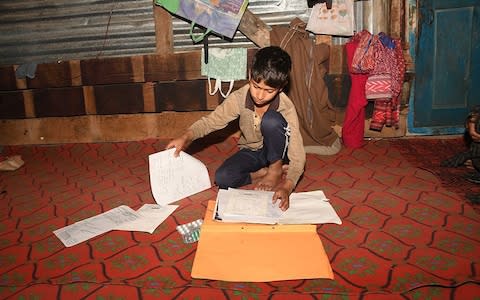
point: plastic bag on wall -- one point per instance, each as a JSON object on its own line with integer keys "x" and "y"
{"x": 339, "y": 20}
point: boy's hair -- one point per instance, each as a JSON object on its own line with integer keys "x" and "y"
{"x": 272, "y": 65}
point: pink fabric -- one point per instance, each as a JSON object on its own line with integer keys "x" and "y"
{"x": 354, "y": 123}
{"x": 378, "y": 86}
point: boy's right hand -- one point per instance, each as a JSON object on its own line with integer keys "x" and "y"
{"x": 180, "y": 143}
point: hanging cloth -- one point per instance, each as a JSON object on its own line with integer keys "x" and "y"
{"x": 224, "y": 65}
{"x": 354, "y": 123}
{"x": 307, "y": 88}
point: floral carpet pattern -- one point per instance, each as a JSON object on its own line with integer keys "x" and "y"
{"x": 408, "y": 232}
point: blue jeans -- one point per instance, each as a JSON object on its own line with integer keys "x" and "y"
{"x": 235, "y": 171}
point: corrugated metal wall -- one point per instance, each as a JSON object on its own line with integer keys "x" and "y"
{"x": 53, "y": 30}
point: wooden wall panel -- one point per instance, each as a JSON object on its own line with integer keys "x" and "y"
{"x": 58, "y": 102}
{"x": 7, "y": 79}
{"x": 163, "y": 30}
{"x": 179, "y": 66}
{"x": 181, "y": 96}
{"x": 107, "y": 71}
{"x": 119, "y": 99}
{"x": 51, "y": 75}
{"x": 11, "y": 105}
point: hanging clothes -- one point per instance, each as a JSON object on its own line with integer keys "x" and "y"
{"x": 389, "y": 61}
{"x": 354, "y": 123}
{"x": 307, "y": 88}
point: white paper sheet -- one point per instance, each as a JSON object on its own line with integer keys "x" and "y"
{"x": 145, "y": 219}
{"x": 236, "y": 205}
{"x": 151, "y": 216}
{"x": 310, "y": 208}
{"x": 174, "y": 178}
{"x": 86, "y": 229}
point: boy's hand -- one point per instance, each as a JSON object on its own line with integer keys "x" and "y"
{"x": 282, "y": 194}
{"x": 180, "y": 143}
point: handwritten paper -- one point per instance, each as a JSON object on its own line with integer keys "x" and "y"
{"x": 174, "y": 178}
{"x": 146, "y": 219}
{"x": 86, "y": 229}
{"x": 255, "y": 206}
{"x": 151, "y": 216}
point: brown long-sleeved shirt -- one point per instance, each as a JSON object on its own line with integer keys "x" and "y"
{"x": 239, "y": 105}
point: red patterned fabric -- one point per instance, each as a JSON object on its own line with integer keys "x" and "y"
{"x": 363, "y": 60}
{"x": 378, "y": 86}
{"x": 407, "y": 233}
{"x": 389, "y": 62}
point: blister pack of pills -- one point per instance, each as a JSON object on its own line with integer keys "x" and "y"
{"x": 191, "y": 231}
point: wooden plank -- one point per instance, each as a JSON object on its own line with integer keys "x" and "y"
{"x": 12, "y": 105}
{"x": 58, "y": 102}
{"x": 50, "y": 75}
{"x": 397, "y": 19}
{"x": 28, "y": 104}
{"x": 181, "y": 96}
{"x": 107, "y": 71}
{"x": 96, "y": 128}
{"x": 138, "y": 68}
{"x": 179, "y": 66}
{"x": 255, "y": 29}
{"x": 212, "y": 100}
{"x": 163, "y": 30}
{"x": 149, "y": 97}
{"x": 7, "y": 78}
{"x": 89, "y": 100}
{"x": 119, "y": 98}
{"x": 122, "y": 128}
{"x": 21, "y": 83}
{"x": 75, "y": 72}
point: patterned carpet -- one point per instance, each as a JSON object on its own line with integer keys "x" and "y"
{"x": 408, "y": 232}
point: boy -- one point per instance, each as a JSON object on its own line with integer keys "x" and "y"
{"x": 473, "y": 128}
{"x": 269, "y": 129}
{"x": 472, "y": 136}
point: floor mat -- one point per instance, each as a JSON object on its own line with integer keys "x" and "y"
{"x": 428, "y": 154}
{"x": 406, "y": 234}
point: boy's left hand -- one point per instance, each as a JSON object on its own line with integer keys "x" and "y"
{"x": 282, "y": 194}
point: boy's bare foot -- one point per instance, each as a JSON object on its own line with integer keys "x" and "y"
{"x": 258, "y": 174}
{"x": 269, "y": 181}
{"x": 272, "y": 178}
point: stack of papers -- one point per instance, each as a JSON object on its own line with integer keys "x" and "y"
{"x": 250, "y": 206}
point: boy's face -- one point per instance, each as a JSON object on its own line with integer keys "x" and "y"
{"x": 262, "y": 94}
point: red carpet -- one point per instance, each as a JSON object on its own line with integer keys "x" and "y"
{"x": 407, "y": 232}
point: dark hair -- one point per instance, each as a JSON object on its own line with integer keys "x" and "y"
{"x": 272, "y": 65}
{"x": 474, "y": 117}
